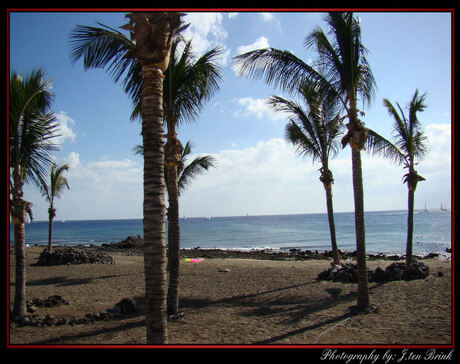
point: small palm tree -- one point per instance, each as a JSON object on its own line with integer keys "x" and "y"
{"x": 410, "y": 146}
{"x": 315, "y": 133}
{"x": 341, "y": 72}
{"x": 53, "y": 190}
{"x": 189, "y": 82}
{"x": 31, "y": 130}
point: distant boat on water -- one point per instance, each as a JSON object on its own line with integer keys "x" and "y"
{"x": 443, "y": 208}
{"x": 208, "y": 217}
{"x": 426, "y": 208}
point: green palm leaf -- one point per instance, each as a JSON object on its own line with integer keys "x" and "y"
{"x": 31, "y": 127}
{"x": 107, "y": 48}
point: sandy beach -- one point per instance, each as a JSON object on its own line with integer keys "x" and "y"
{"x": 239, "y": 302}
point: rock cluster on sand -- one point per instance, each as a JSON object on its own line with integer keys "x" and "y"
{"x": 131, "y": 242}
{"x": 51, "y": 301}
{"x": 124, "y": 307}
{"x": 62, "y": 256}
{"x": 348, "y": 273}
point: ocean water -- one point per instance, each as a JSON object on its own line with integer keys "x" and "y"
{"x": 385, "y": 232}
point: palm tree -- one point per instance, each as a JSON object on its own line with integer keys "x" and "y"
{"x": 54, "y": 189}
{"x": 315, "y": 133}
{"x": 142, "y": 61}
{"x": 188, "y": 82}
{"x": 152, "y": 33}
{"x": 341, "y": 72}
{"x": 410, "y": 145}
{"x": 31, "y": 129}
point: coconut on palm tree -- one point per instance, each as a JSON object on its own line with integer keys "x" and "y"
{"x": 314, "y": 132}
{"x": 342, "y": 72}
{"x": 31, "y": 130}
{"x": 53, "y": 190}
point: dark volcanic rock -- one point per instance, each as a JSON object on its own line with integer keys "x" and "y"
{"x": 63, "y": 256}
{"x": 348, "y": 273}
{"x": 126, "y": 306}
{"x": 131, "y": 242}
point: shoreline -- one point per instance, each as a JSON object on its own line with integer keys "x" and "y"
{"x": 293, "y": 254}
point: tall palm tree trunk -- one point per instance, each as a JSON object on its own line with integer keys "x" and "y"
{"x": 173, "y": 240}
{"x": 51, "y": 215}
{"x": 330, "y": 215}
{"x": 363, "y": 289}
{"x": 410, "y": 226}
{"x": 154, "y": 205}
{"x": 18, "y": 217}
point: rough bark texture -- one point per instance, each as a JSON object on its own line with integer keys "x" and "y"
{"x": 363, "y": 289}
{"x": 18, "y": 217}
{"x": 173, "y": 241}
{"x": 410, "y": 225}
{"x": 330, "y": 215}
{"x": 154, "y": 205}
{"x": 51, "y": 215}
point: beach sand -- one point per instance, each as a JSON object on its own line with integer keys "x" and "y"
{"x": 242, "y": 302}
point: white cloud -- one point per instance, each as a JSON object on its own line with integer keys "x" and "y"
{"x": 267, "y": 16}
{"x": 73, "y": 160}
{"x": 259, "y": 43}
{"x": 270, "y": 17}
{"x": 64, "y": 131}
{"x": 206, "y": 31}
{"x": 104, "y": 175}
{"x": 257, "y": 108}
{"x": 440, "y": 146}
{"x": 269, "y": 178}
{"x": 265, "y": 179}
{"x": 232, "y": 15}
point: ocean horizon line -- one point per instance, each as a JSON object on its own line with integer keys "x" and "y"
{"x": 229, "y": 216}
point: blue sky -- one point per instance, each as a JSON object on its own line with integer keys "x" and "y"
{"x": 258, "y": 171}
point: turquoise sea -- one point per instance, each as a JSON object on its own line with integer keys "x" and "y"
{"x": 385, "y": 232}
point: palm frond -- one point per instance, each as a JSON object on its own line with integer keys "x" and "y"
{"x": 343, "y": 59}
{"x": 196, "y": 167}
{"x": 31, "y": 126}
{"x": 304, "y": 146}
{"x": 281, "y": 69}
{"x": 58, "y": 180}
{"x": 378, "y": 145}
{"x": 407, "y": 133}
{"x": 189, "y": 82}
{"x": 106, "y": 48}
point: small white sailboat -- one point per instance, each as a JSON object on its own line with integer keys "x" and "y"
{"x": 443, "y": 208}
{"x": 426, "y": 208}
{"x": 208, "y": 217}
